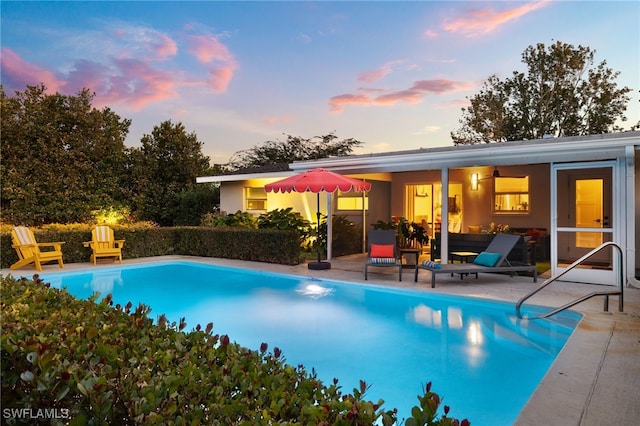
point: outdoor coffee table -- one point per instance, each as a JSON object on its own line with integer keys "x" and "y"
{"x": 463, "y": 257}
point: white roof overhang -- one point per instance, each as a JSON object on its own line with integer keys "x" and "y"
{"x": 555, "y": 150}
{"x": 588, "y": 148}
{"x": 246, "y": 176}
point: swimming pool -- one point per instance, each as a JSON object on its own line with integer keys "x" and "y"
{"x": 481, "y": 359}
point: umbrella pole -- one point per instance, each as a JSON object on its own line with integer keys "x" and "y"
{"x": 319, "y": 264}
{"x": 318, "y": 236}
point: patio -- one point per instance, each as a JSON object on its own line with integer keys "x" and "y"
{"x": 595, "y": 378}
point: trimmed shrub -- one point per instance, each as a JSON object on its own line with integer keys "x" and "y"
{"x": 260, "y": 245}
{"x": 285, "y": 219}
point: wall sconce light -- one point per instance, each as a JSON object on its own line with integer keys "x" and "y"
{"x": 474, "y": 181}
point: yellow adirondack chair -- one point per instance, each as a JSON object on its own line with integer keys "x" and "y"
{"x": 29, "y": 252}
{"x": 104, "y": 244}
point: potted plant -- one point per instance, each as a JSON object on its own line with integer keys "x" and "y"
{"x": 412, "y": 234}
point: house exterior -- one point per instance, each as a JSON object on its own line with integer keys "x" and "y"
{"x": 577, "y": 192}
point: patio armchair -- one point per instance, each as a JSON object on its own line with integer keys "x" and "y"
{"x": 104, "y": 244}
{"x": 382, "y": 251}
{"x": 29, "y": 250}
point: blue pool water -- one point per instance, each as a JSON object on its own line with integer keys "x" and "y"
{"x": 481, "y": 359}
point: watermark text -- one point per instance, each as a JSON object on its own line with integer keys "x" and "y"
{"x": 35, "y": 413}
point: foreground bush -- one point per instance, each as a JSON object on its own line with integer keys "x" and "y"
{"x": 91, "y": 363}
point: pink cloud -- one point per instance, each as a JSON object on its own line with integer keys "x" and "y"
{"x": 219, "y": 78}
{"x": 373, "y": 75}
{"x": 165, "y": 46}
{"x": 429, "y": 33}
{"x": 129, "y": 82}
{"x": 18, "y": 73}
{"x": 337, "y": 102}
{"x": 411, "y": 95}
{"x": 439, "y": 86}
{"x": 482, "y": 21}
{"x": 138, "y": 84}
{"x": 129, "y": 77}
{"x": 278, "y": 120}
{"x": 377, "y": 74}
{"x": 91, "y": 75}
{"x": 207, "y": 49}
{"x": 139, "y": 42}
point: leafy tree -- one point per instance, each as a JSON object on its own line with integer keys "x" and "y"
{"x": 293, "y": 149}
{"x": 165, "y": 166}
{"x": 61, "y": 158}
{"x": 560, "y": 94}
{"x": 193, "y": 203}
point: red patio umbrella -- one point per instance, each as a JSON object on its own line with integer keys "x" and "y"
{"x": 316, "y": 181}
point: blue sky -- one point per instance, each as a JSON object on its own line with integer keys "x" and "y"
{"x": 393, "y": 74}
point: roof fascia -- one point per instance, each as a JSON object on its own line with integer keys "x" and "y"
{"x": 500, "y": 154}
{"x": 241, "y": 177}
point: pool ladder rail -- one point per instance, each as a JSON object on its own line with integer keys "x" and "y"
{"x": 606, "y": 293}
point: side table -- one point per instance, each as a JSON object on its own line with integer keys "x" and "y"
{"x": 406, "y": 252}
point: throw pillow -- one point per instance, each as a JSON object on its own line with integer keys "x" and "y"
{"x": 487, "y": 259}
{"x": 383, "y": 260}
{"x": 381, "y": 250}
{"x": 431, "y": 264}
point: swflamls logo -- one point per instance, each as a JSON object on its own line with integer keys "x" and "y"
{"x": 35, "y": 413}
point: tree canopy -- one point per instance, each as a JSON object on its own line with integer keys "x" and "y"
{"x": 294, "y": 148}
{"x": 61, "y": 158}
{"x": 560, "y": 94}
{"x": 166, "y": 165}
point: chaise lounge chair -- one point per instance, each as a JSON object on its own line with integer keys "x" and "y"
{"x": 382, "y": 251}
{"x": 28, "y": 249}
{"x": 493, "y": 259}
{"x": 104, "y": 244}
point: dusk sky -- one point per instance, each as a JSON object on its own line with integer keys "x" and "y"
{"x": 393, "y": 74}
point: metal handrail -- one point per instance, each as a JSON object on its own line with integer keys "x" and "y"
{"x": 578, "y": 262}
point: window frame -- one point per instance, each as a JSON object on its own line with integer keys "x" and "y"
{"x": 496, "y": 194}
{"x": 248, "y": 198}
{"x": 352, "y": 195}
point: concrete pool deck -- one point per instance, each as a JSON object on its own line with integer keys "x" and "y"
{"x": 595, "y": 380}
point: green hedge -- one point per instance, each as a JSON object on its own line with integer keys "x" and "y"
{"x": 91, "y": 363}
{"x": 261, "y": 245}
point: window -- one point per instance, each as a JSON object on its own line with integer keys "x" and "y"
{"x": 511, "y": 194}
{"x": 255, "y": 198}
{"x": 352, "y": 200}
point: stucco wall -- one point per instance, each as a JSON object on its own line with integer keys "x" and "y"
{"x": 231, "y": 200}
{"x": 232, "y": 194}
{"x": 379, "y": 206}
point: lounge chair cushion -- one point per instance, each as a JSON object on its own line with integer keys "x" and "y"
{"x": 382, "y": 251}
{"x": 382, "y": 260}
{"x": 431, "y": 264}
{"x": 487, "y": 259}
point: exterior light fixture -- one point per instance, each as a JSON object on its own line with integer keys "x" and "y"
{"x": 474, "y": 181}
